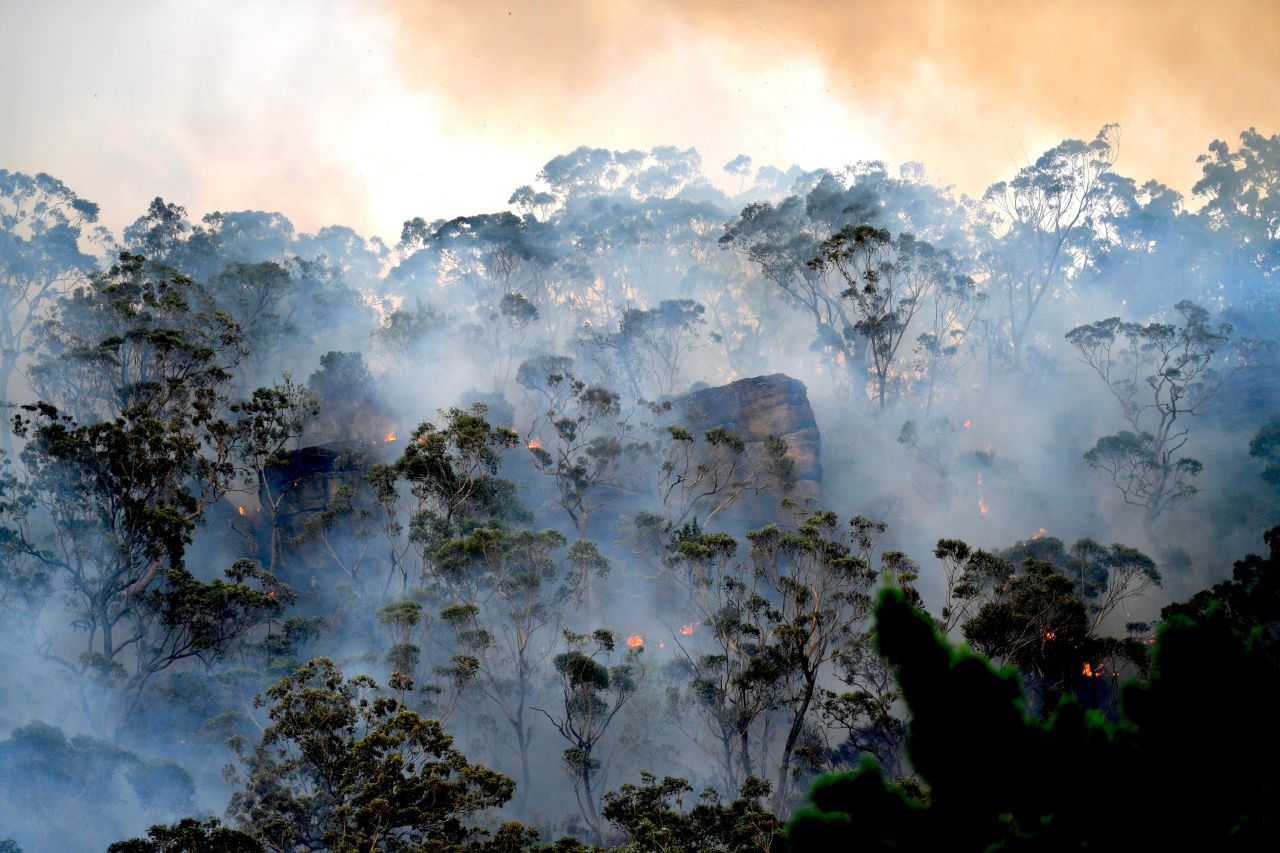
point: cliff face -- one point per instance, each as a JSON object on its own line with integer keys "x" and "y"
{"x": 755, "y": 409}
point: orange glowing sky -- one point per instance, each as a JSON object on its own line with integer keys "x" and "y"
{"x": 370, "y": 113}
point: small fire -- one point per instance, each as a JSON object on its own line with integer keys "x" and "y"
{"x": 534, "y": 444}
{"x": 240, "y": 510}
{"x": 982, "y": 507}
{"x": 635, "y": 641}
{"x": 968, "y": 423}
{"x": 1039, "y": 535}
{"x": 391, "y": 436}
{"x": 1049, "y": 635}
{"x": 1088, "y": 671}
{"x": 687, "y": 629}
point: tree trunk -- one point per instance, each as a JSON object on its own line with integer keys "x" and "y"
{"x": 793, "y": 736}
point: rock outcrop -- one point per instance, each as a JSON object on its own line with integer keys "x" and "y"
{"x": 755, "y": 409}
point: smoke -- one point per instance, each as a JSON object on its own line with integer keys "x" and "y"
{"x": 967, "y": 88}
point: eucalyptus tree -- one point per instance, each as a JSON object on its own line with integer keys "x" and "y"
{"x": 779, "y": 620}
{"x": 593, "y": 694}
{"x": 343, "y": 767}
{"x": 650, "y": 346}
{"x": 266, "y": 425}
{"x": 123, "y": 480}
{"x": 887, "y": 282}
{"x": 41, "y": 260}
{"x": 584, "y": 440}
{"x": 510, "y": 595}
{"x": 1044, "y": 228}
{"x": 1162, "y": 375}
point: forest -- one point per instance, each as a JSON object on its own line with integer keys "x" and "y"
{"x": 834, "y": 508}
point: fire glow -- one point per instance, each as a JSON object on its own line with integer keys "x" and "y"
{"x": 240, "y": 510}
{"x": 534, "y": 444}
{"x": 687, "y": 629}
{"x": 635, "y": 641}
{"x": 391, "y": 436}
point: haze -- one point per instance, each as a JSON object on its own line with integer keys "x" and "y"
{"x": 369, "y": 114}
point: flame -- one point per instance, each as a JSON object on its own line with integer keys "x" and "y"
{"x": 1039, "y": 535}
{"x": 1088, "y": 671}
{"x": 391, "y": 436}
{"x": 687, "y": 629}
{"x": 982, "y": 507}
{"x": 1049, "y": 635}
{"x": 967, "y": 423}
{"x": 635, "y": 641}
{"x": 534, "y": 444}
{"x": 240, "y": 510}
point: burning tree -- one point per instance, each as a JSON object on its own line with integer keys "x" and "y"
{"x": 593, "y": 439}
{"x": 1159, "y": 373}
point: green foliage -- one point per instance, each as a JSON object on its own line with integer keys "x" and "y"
{"x": 1158, "y": 373}
{"x": 347, "y": 769}
{"x": 1265, "y": 445}
{"x": 997, "y": 779}
{"x": 653, "y": 816}
{"x": 190, "y": 836}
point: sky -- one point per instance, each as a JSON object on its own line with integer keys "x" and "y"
{"x": 370, "y": 113}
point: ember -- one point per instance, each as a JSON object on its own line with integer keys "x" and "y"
{"x": 635, "y": 641}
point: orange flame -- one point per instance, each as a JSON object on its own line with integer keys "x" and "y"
{"x": 635, "y": 641}
{"x": 391, "y": 436}
{"x": 967, "y": 423}
{"x": 534, "y": 444}
{"x": 1049, "y": 635}
{"x": 240, "y": 510}
{"x": 1088, "y": 672}
{"x": 1039, "y": 535}
{"x": 687, "y": 629}
{"x": 982, "y": 507}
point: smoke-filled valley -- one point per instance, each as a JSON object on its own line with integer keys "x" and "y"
{"x": 605, "y": 520}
